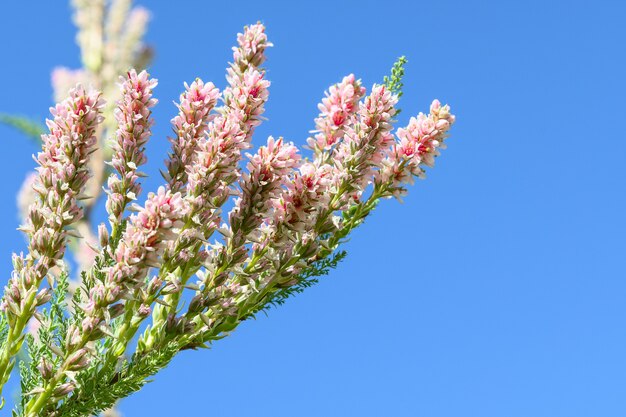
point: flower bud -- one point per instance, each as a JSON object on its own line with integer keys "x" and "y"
{"x": 116, "y": 310}
{"x": 177, "y": 325}
{"x": 154, "y": 285}
{"x": 43, "y": 297}
{"x": 103, "y": 235}
{"x": 77, "y": 360}
{"x": 45, "y": 368}
{"x": 197, "y": 304}
{"x": 144, "y": 310}
{"x": 172, "y": 286}
{"x": 73, "y": 337}
{"x": 89, "y": 324}
{"x": 63, "y": 389}
{"x": 18, "y": 262}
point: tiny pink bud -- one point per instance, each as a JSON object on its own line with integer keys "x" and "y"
{"x": 45, "y": 368}
{"x": 63, "y": 389}
{"x": 103, "y": 235}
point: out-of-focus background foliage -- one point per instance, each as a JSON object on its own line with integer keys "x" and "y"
{"x": 497, "y": 289}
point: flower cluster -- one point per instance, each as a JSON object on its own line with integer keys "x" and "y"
{"x": 140, "y": 248}
{"x": 336, "y": 111}
{"x": 289, "y": 215}
{"x": 134, "y": 121}
{"x": 306, "y": 190}
{"x": 418, "y": 147}
{"x": 110, "y": 38}
{"x": 268, "y": 170}
{"x": 250, "y": 50}
{"x": 59, "y": 185}
{"x": 361, "y": 152}
{"x": 190, "y": 125}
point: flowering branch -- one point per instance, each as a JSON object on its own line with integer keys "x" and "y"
{"x": 62, "y": 175}
{"x": 134, "y": 121}
{"x": 289, "y": 217}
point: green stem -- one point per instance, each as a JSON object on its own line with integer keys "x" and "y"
{"x": 14, "y": 341}
{"x": 37, "y": 404}
{"x": 130, "y": 379}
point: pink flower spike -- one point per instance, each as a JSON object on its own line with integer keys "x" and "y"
{"x": 418, "y": 146}
{"x": 63, "y": 173}
{"x": 190, "y": 126}
{"x": 245, "y": 99}
{"x": 134, "y": 120}
{"x": 60, "y": 183}
{"x": 337, "y": 110}
{"x": 420, "y": 140}
{"x": 268, "y": 170}
{"x": 251, "y": 49}
{"x": 361, "y": 152}
{"x": 307, "y": 193}
{"x": 214, "y": 169}
{"x": 141, "y": 247}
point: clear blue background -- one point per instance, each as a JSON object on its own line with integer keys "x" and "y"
{"x": 497, "y": 289}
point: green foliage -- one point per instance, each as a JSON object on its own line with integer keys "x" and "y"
{"x": 51, "y": 332}
{"x": 31, "y": 128}
{"x": 394, "y": 81}
{"x": 4, "y": 329}
{"x": 29, "y": 375}
{"x": 100, "y": 389}
{"x": 305, "y": 279}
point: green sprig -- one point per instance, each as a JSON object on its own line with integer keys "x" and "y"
{"x": 394, "y": 82}
{"x": 31, "y": 128}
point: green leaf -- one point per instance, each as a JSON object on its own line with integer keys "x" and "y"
{"x": 394, "y": 81}
{"x": 100, "y": 388}
{"x": 306, "y": 279}
{"x": 31, "y": 128}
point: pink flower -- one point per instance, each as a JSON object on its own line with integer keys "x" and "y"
{"x": 215, "y": 167}
{"x": 190, "y": 125}
{"x": 273, "y": 162}
{"x": 361, "y": 152}
{"x": 336, "y": 110}
{"x": 161, "y": 211}
{"x": 267, "y": 171}
{"x": 134, "y": 120}
{"x": 141, "y": 247}
{"x": 245, "y": 99}
{"x": 418, "y": 145}
{"x": 307, "y": 192}
{"x": 62, "y": 175}
{"x": 251, "y": 49}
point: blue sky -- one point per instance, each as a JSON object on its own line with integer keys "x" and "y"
{"x": 497, "y": 289}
